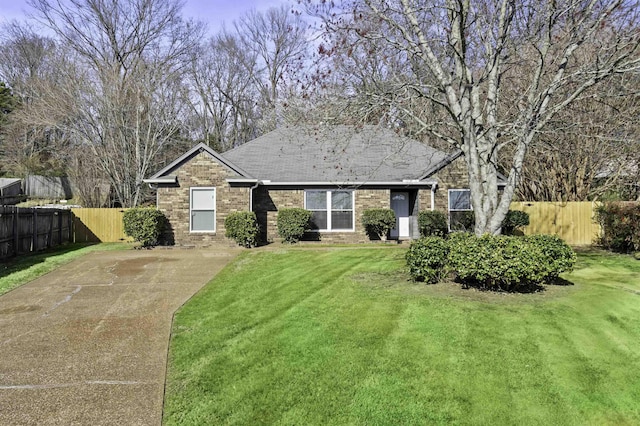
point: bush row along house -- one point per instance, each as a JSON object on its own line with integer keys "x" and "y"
{"x": 335, "y": 172}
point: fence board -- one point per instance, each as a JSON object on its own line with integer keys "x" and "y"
{"x": 26, "y": 230}
{"x": 98, "y": 225}
{"x": 571, "y": 221}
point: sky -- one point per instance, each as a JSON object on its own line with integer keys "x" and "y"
{"x": 213, "y": 12}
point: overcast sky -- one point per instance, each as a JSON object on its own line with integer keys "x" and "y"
{"x": 213, "y": 12}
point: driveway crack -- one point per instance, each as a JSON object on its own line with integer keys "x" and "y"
{"x": 63, "y": 301}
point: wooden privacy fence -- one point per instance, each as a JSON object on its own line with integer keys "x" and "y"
{"x": 23, "y": 230}
{"x": 26, "y": 230}
{"x": 572, "y": 221}
{"x": 98, "y": 225}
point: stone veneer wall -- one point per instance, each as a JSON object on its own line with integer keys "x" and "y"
{"x": 454, "y": 176}
{"x": 201, "y": 171}
{"x": 267, "y": 202}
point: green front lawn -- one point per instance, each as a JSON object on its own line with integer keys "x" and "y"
{"x": 339, "y": 336}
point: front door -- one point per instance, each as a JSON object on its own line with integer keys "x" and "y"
{"x": 400, "y": 206}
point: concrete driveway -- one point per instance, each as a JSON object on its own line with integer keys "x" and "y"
{"x": 87, "y": 343}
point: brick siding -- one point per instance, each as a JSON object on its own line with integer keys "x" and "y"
{"x": 204, "y": 171}
{"x": 200, "y": 171}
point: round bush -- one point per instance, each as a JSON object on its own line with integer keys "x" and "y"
{"x": 427, "y": 259}
{"x": 242, "y": 227}
{"x": 378, "y": 222}
{"x": 497, "y": 262}
{"x": 555, "y": 254}
{"x": 515, "y": 219}
{"x": 620, "y": 222}
{"x": 293, "y": 223}
{"x": 144, "y": 225}
{"x": 432, "y": 223}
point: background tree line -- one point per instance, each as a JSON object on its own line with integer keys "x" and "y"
{"x": 542, "y": 93}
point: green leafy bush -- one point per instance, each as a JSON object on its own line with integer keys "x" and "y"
{"x": 293, "y": 223}
{"x": 556, "y": 255}
{"x": 462, "y": 221}
{"x": 620, "y": 222}
{"x": 427, "y": 259}
{"x": 378, "y": 222}
{"x": 144, "y": 225}
{"x": 514, "y": 220}
{"x": 432, "y": 223}
{"x": 497, "y": 262}
{"x": 242, "y": 227}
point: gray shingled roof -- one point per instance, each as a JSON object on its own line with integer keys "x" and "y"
{"x": 335, "y": 154}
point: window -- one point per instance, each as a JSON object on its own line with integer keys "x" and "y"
{"x": 332, "y": 210}
{"x": 460, "y": 215}
{"x": 203, "y": 210}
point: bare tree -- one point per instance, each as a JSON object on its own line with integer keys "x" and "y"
{"x": 463, "y": 56}
{"x": 127, "y": 92}
{"x": 278, "y": 38}
{"x": 223, "y": 80}
{"x": 31, "y": 64}
{"x": 588, "y": 151}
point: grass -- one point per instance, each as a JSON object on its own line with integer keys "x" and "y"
{"x": 340, "y": 336}
{"x": 21, "y": 270}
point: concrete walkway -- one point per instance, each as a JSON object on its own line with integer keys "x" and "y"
{"x": 87, "y": 343}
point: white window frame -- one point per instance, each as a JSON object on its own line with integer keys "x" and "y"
{"x": 191, "y": 209}
{"x": 329, "y": 209}
{"x": 449, "y": 209}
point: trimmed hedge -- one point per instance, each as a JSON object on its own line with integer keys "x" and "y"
{"x": 432, "y": 223}
{"x": 378, "y": 222}
{"x": 620, "y": 224}
{"x": 293, "y": 223}
{"x": 514, "y": 220}
{"x": 144, "y": 225}
{"x": 427, "y": 258}
{"x": 464, "y": 221}
{"x": 491, "y": 262}
{"x": 242, "y": 227}
{"x": 497, "y": 262}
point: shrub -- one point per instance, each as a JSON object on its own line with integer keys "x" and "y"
{"x": 292, "y": 224}
{"x": 427, "y": 259}
{"x": 498, "y": 262}
{"x": 557, "y": 256}
{"x": 144, "y": 225}
{"x": 432, "y": 223}
{"x": 242, "y": 227}
{"x": 514, "y": 220}
{"x": 378, "y": 222}
{"x": 620, "y": 224}
{"x": 462, "y": 221}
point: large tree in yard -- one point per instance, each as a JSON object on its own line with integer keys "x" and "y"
{"x": 494, "y": 73}
{"x": 125, "y": 96}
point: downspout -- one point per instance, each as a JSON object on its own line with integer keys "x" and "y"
{"x": 251, "y": 195}
{"x": 154, "y": 186}
{"x": 433, "y": 196}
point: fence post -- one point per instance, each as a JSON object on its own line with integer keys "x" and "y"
{"x": 34, "y": 231}
{"x": 60, "y": 229}
{"x": 16, "y": 236}
{"x": 53, "y": 218}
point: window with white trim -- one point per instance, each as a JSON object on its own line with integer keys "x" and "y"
{"x": 460, "y": 216}
{"x": 202, "y": 209}
{"x": 332, "y": 210}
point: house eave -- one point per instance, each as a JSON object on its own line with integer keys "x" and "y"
{"x": 402, "y": 184}
{"x": 170, "y": 179}
{"x": 242, "y": 181}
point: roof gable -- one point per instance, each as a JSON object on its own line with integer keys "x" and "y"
{"x": 201, "y": 147}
